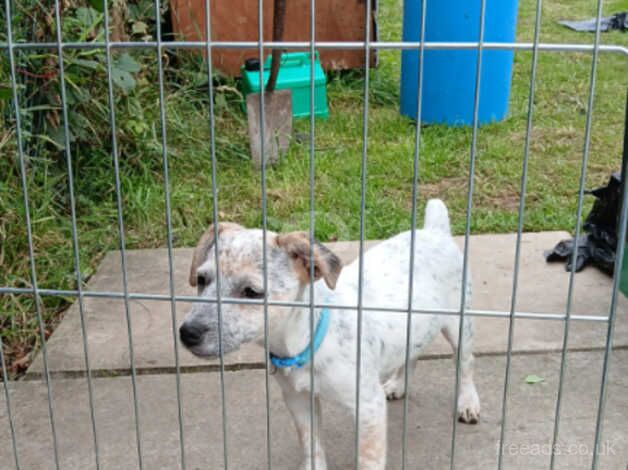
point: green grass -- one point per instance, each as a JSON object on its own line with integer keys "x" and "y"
{"x": 555, "y": 156}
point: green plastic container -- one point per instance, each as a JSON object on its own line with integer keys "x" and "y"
{"x": 294, "y": 74}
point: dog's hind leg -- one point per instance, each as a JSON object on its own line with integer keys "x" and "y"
{"x": 468, "y": 400}
{"x": 395, "y": 385}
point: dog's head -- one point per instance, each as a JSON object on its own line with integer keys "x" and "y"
{"x": 241, "y": 276}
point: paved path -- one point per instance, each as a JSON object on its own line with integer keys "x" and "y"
{"x": 529, "y": 423}
{"x": 542, "y": 289}
{"x": 529, "y": 427}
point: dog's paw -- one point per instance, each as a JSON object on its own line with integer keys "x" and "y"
{"x": 468, "y": 405}
{"x": 394, "y": 388}
{"x": 468, "y": 416}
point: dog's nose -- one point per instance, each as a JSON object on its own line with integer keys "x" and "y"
{"x": 191, "y": 335}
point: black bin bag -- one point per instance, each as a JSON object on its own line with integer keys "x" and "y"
{"x": 598, "y": 244}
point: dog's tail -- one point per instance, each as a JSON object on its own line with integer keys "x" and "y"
{"x": 436, "y": 217}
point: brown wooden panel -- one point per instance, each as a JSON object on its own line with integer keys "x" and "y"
{"x": 237, "y": 20}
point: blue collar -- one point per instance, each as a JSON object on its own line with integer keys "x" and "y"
{"x": 305, "y": 356}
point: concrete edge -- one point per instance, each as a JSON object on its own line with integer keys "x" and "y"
{"x": 242, "y": 366}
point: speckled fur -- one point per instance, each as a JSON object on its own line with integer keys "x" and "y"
{"x": 437, "y": 284}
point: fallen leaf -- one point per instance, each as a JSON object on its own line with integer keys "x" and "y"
{"x": 533, "y": 379}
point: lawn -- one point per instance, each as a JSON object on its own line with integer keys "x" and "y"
{"x": 554, "y": 166}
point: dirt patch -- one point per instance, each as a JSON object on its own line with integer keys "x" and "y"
{"x": 443, "y": 187}
{"x": 545, "y": 138}
{"x": 508, "y": 201}
{"x": 504, "y": 199}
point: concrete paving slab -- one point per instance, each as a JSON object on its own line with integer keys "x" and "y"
{"x": 542, "y": 289}
{"x": 529, "y": 423}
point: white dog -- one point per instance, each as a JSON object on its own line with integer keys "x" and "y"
{"x": 437, "y": 285}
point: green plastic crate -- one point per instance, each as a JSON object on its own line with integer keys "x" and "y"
{"x": 294, "y": 74}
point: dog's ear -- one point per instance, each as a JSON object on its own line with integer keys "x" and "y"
{"x": 326, "y": 264}
{"x": 204, "y": 244}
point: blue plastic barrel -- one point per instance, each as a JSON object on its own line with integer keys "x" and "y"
{"x": 449, "y": 75}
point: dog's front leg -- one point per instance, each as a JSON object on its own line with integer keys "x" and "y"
{"x": 373, "y": 434}
{"x": 299, "y": 405}
{"x": 372, "y": 420}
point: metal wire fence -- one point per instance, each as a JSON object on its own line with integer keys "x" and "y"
{"x": 367, "y": 46}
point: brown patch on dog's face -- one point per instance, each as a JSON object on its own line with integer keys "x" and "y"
{"x": 326, "y": 264}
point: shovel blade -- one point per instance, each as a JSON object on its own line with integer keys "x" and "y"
{"x": 277, "y": 125}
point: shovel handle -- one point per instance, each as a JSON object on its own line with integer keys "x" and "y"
{"x": 279, "y": 12}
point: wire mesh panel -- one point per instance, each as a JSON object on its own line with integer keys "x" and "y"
{"x": 164, "y": 52}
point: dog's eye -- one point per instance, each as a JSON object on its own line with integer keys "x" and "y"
{"x": 251, "y": 293}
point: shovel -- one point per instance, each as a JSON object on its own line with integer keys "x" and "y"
{"x": 277, "y": 106}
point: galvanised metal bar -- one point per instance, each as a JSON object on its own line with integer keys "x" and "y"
{"x": 212, "y": 137}
{"x": 619, "y": 259}
{"x": 465, "y": 263}
{"x": 171, "y": 288}
{"x": 570, "y": 289}
{"x": 125, "y": 283}
{"x": 522, "y": 196}
{"x": 305, "y": 45}
{"x": 365, "y": 127}
{"x": 29, "y": 233}
{"x": 75, "y": 246}
{"x": 415, "y": 191}
{"x": 366, "y": 308}
{"x": 7, "y": 400}
{"x": 312, "y": 152}
{"x": 311, "y": 45}
{"x": 262, "y": 114}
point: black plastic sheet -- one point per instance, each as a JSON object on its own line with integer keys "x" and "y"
{"x": 598, "y": 245}
{"x": 618, "y": 21}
